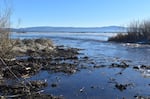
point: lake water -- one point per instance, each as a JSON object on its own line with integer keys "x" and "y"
{"x": 96, "y": 82}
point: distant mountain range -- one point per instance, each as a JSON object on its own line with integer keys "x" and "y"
{"x": 71, "y": 29}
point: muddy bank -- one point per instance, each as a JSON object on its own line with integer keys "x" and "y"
{"x": 29, "y": 57}
{"x": 32, "y": 47}
{"x": 64, "y": 72}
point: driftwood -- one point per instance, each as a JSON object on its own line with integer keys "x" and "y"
{"x": 3, "y": 62}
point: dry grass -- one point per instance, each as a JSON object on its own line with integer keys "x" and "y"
{"x": 5, "y": 42}
{"x": 137, "y": 32}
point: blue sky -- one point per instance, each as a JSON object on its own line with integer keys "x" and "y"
{"x": 78, "y": 13}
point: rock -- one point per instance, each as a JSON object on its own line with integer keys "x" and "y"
{"x": 142, "y": 66}
{"x": 145, "y": 67}
{"x": 135, "y": 67}
{"x": 94, "y": 86}
{"x": 144, "y": 70}
{"x": 85, "y": 57}
{"x": 53, "y": 85}
{"x": 99, "y": 66}
{"x": 119, "y": 65}
{"x": 121, "y": 87}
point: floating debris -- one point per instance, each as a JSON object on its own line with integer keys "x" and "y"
{"x": 82, "y": 89}
{"x": 122, "y": 87}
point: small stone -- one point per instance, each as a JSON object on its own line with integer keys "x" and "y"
{"x": 135, "y": 67}
{"x": 93, "y": 87}
{"x": 53, "y": 85}
{"x": 86, "y": 57}
{"x": 143, "y": 66}
{"x": 121, "y": 87}
{"x": 98, "y": 66}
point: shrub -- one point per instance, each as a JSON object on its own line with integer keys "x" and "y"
{"x": 136, "y": 32}
{"x": 5, "y": 42}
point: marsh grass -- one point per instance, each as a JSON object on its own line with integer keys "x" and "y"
{"x": 136, "y": 32}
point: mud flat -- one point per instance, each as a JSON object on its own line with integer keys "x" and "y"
{"x": 28, "y": 58}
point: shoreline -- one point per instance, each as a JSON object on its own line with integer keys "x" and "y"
{"x": 57, "y": 59}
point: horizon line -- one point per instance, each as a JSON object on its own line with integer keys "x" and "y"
{"x": 70, "y": 26}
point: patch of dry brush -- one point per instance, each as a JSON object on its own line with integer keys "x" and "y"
{"x": 137, "y": 32}
{"x": 6, "y": 44}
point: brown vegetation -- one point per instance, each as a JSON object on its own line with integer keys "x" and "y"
{"x": 15, "y": 69}
{"x": 137, "y": 32}
{"x": 6, "y": 44}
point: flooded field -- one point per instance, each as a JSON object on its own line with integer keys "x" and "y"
{"x": 106, "y": 70}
